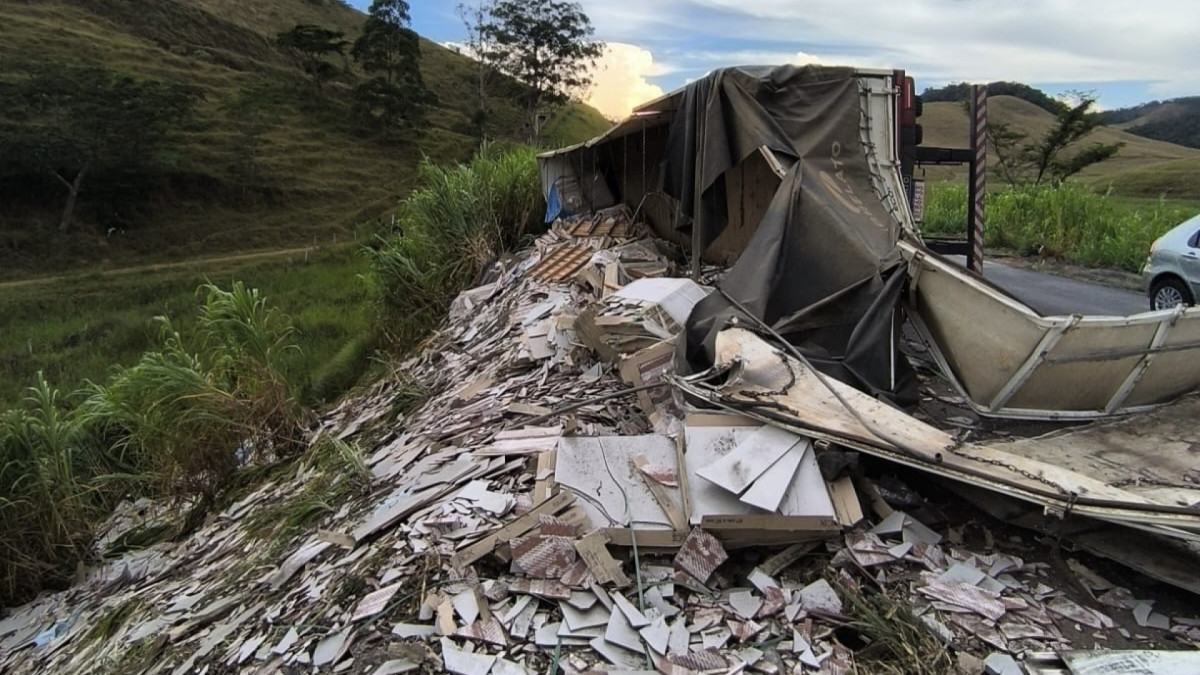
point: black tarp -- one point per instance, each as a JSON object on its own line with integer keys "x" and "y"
{"x": 822, "y": 267}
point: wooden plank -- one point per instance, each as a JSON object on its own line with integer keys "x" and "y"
{"x": 732, "y": 539}
{"x": 880, "y": 507}
{"x": 612, "y": 278}
{"x": 777, "y": 563}
{"x": 771, "y": 522}
{"x": 811, "y": 401}
{"x": 544, "y": 477}
{"x": 845, "y": 501}
{"x": 661, "y": 495}
{"x": 1147, "y": 455}
{"x": 622, "y": 536}
{"x": 514, "y": 529}
{"x": 593, "y": 550}
{"x": 684, "y": 489}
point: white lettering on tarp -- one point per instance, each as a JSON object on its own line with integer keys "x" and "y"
{"x": 841, "y": 189}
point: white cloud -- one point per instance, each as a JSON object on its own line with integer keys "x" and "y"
{"x": 619, "y": 82}
{"x": 1085, "y": 41}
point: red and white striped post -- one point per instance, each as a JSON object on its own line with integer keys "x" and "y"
{"x": 978, "y": 186}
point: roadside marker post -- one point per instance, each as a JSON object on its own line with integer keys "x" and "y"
{"x": 978, "y": 178}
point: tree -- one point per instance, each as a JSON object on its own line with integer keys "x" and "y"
{"x": 1056, "y": 155}
{"x": 1006, "y": 143}
{"x": 548, "y": 46}
{"x": 479, "y": 46}
{"x": 961, "y": 91}
{"x": 311, "y": 45}
{"x": 390, "y": 52}
{"x": 248, "y": 115}
{"x": 69, "y": 122}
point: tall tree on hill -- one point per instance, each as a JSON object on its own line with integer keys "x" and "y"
{"x": 390, "y": 52}
{"x": 72, "y": 123}
{"x": 312, "y": 45}
{"x": 548, "y": 46}
{"x": 1055, "y": 156}
{"x": 479, "y": 46}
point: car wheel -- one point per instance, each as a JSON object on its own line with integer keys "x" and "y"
{"x": 1169, "y": 292}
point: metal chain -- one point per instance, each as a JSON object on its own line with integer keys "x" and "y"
{"x": 1156, "y": 482}
{"x": 956, "y": 449}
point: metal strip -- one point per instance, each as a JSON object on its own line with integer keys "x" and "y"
{"x": 1139, "y": 369}
{"x": 1035, "y": 359}
{"x": 1125, "y": 353}
{"x": 978, "y": 178}
{"x": 772, "y": 161}
{"x": 1180, "y": 526}
{"x": 1006, "y": 413}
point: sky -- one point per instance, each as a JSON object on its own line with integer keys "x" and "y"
{"x": 1124, "y": 52}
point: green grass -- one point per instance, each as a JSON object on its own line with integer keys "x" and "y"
{"x": 894, "y": 642}
{"x": 212, "y": 398}
{"x": 79, "y": 328}
{"x": 1174, "y": 179}
{"x": 458, "y": 221}
{"x": 338, "y": 473}
{"x": 1081, "y": 225}
{"x": 316, "y": 177}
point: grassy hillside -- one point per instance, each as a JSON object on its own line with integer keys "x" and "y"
{"x": 79, "y": 327}
{"x": 1143, "y": 167}
{"x": 315, "y": 175}
{"x": 1175, "y": 120}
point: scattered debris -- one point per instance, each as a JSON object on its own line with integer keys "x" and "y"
{"x": 563, "y": 496}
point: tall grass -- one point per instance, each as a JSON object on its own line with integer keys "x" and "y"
{"x": 46, "y": 493}
{"x": 458, "y": 220}
{"x": 179, "y": 414}
{"x": 176, "y": 424}
{"x": 1071, "y": 220}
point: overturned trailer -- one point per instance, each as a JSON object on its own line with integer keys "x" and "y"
{"x": 792, "y": 176}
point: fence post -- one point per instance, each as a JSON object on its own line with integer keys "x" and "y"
{"x": 978, "y": 180}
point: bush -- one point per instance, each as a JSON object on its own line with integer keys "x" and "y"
{"x": 179, "y": 414}
{"x": 1085, "y": 227}
{"x": 337, "y": 375}
{"x": 177, "y": 424}
{"x": 46, "y": 502}
{"x": 459, "y": 220}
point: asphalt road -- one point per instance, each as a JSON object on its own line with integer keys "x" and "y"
{"x": 1055, "y": 295}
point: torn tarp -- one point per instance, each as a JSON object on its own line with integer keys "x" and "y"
{"x": 822, "y": 266}
{"x": 796, "y": 112}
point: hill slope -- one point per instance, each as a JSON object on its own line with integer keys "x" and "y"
{"x": 315, "y": 175}
{"x": 1175, "y": 120}
{"x": 1143, "y": 167}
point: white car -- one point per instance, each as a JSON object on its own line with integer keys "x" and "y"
{"x": 1172, "y": 272}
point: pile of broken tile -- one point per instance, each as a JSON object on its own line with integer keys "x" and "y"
{"x": 488, "y": 543}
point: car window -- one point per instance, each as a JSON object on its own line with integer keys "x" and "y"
{"x": 1194, "y": 242}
